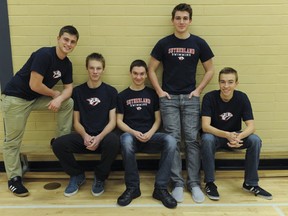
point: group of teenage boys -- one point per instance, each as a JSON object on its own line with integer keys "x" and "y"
{"x": 96, "y": 109}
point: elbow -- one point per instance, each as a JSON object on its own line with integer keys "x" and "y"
{"x": 205, "y": 129}
{"x": 113, "y": 124}
{"x": 33, "y": 86}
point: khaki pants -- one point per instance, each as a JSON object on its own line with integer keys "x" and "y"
{"x": 15, "y": 113}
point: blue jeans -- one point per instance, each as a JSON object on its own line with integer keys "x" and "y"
{"x": 181, "y": 114}
{"x": 210, "y": 144}
{"x": 159, "y": 142}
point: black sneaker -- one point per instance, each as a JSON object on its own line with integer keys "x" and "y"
{"x": 257, "y": 191}
{"x": 16, "y": 186}
{"x": 128, "y": 195}
{"x": 165, "y": 197}
{"x": 211, "y": 191}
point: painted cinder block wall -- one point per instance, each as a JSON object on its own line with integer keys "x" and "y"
{"x": 249, "y": 35}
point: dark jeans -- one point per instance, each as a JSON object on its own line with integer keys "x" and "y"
{"x": 66, "y": 145}
{"x": 211, "y": 143}
{"x": 159, "y": 142}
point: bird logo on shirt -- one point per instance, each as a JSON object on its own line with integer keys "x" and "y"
{"x": 56, "y": 74}
{"x": 226, "y": 116}
{"x": 93, "y": 101}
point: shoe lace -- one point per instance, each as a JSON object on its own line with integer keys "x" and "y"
{"x": 256, "y": 190}
{"x": 17, "y": 184}
{"x": 165, "y": 193}
{"x": 211, "y": 187}
{"x": 73, "y": 181}
{"x": 129, "y": 192}
{"x": 99, "y": 183}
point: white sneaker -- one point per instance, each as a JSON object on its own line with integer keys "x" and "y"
{"x": 197, "y": 194}
{"x": 177, "y": 194}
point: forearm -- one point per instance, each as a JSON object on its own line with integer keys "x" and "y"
{"x": 66, "y": 93}
{"x": 246, "y": 132}
{"x": 43, "y": 90}
{"x": 124, "y": 127}
{"x": 155, "y": 127}
{"x": 154, "y": 81}
{"x": 80, "y": 129}
{"x": 109, "y": 127}
{"x": 206, "y": 79}
{"x": 215, "y": 131}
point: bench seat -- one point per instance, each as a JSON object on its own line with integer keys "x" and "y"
{"x": 45, "y": 153}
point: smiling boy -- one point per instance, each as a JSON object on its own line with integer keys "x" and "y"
{"x": 222, "y": 114}
{"x": 31, "y": 88}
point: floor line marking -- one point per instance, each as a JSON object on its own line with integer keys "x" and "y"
{"x": 274, "y": 205}
{"x": 279, "y": 211}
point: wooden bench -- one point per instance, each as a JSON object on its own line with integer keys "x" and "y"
{"x": 43, "y": 152}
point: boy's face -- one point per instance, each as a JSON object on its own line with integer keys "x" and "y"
{"x": 227, "y": 84}
{"x": 181, "y": 21}
{"x": 67, "y": 43}
{"x": 138, "y": 75}
{"x": 95, "y": 70}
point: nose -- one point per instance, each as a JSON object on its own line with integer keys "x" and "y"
{"x": 69, "y": 42}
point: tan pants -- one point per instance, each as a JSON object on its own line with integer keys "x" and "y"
{"x": 15, "y": 113}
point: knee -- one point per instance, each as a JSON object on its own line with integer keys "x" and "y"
{"x": 68, "y": 104}
{"x": 112, "y": 142}
{"x": 126, "y": 142}
{"x": 207, "y": 142}
{"x": 170, "y": 142}
{"x": 57, "y": 145}
{"x": 254, "y": 141}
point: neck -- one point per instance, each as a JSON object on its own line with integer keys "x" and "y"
{"x": 226, "y": 99}
{"x": 183, "y": 35}
{"x": 92, "y": 84}
{"x": 60, "y": 54}
{"x": 136, "y": 87}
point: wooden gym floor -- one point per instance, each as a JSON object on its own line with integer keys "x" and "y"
{"x": 233, "y": 200}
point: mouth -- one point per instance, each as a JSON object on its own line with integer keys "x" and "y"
{"x": 67, "y": 48}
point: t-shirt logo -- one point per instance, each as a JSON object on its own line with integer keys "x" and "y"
{"x": 93, "y": 101}
{"x": 138, "y": 103}
{"x": 226, "y": 116}
{"x": 56, "y": 74}
{"x": 181, "y": 52}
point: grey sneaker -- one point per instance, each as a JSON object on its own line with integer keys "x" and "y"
{"x": 197, "y": 194}
{"x": 74, "y": 185}
{"x": 97, "y": 187}
{"x": 177, "y": 194}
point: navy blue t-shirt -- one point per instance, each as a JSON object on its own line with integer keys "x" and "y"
{"x": 94, "y": 105}
{"x": 138, "y": 108}
{"x": 45, "y": 62}
{"x": 180, "y": 58}
{"x": 227, "y": 116}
